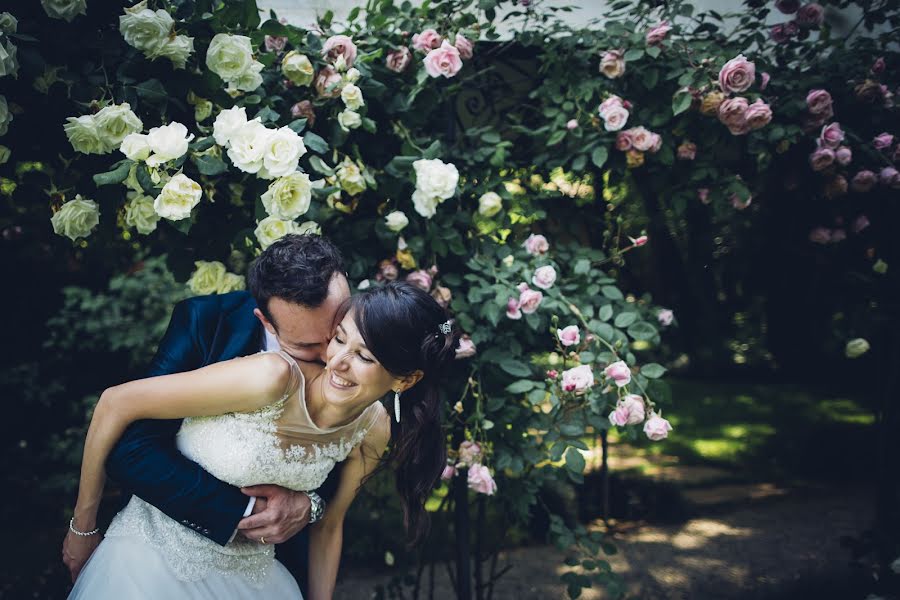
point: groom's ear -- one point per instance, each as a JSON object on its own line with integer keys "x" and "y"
{"x": 265, "y": 322}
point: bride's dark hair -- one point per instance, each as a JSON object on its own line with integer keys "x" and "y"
{"x": 401, "y": 325}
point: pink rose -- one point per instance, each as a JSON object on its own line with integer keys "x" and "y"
{"x": 465, "y": 47}
{"x": 572, "y": 124}
{"x": 686, "y": 151}
{"x": 623, "y": 141}
{"x": 641, "y": 138}
{"x": 339, "y": 45}
{"x": 890, "y": 177}
{"x": 569, "y": 336}
{"x": 737, "y": 75}
{"x": 665, "y": 317}
{"x": 883, "y": 141}
{"x": 530, "y": 300}
{"x": 861, "y": 222}
{"x": 818, "y": 101}
{"x": 512, "y": 309}
{"x": 788, "y": 7}
{"x": 442, "y": 296}
{"x": 619, "y": 373}
{"x": 466, "y": 347}
{"x": 658, "y": 33}
{"x": 759, "y": 114}
{"x": 629, "y": 411}
{"x": 792, "y": 29}
{"x": 552, "y": 374}
{"x": 388, "y": 270}
{"x": 615, "y": 118}
{"x": 821, "y": 159}
{"x": 448, "y": 473}
{"x": 779, "y": 33}
{"x": 655, "y": 142}
{"x": 275, "y": 43}
{"x": 611, "y": 102}
{"x": 739, "y": 203}
{"x": 832, "y": 135}
{"x": 522, "y": 287}
{"x": 820, "y": 235}
{"x": 733, "y": 114}
{"x": 544, "y": 277}
{"x": 811, "y": 15}
{"x": 421, "y": 279}
{"x": 863, "y": 181}
{"x": 327, "y": 82}
{"x": 480, "y": 480}
{"x": 703, "y": 195}
{"x": 838, "y": 235}
{"x": 878, "y": 66}
{"x": 613, "y": 64}
{"x": 469, "y": 453}
{"x": 426, "y": 41}
{"x": 639, "y": 241}
{"x": 304, "y": 109}
{"x": 657, "y": 428}
{"x": 843, "y": 155}
{"x": 764, "y": 81}
{"x": 397, "y": 60}
{"x": 443, "y": 61}
{"x": 536, "y": 244}
{"x": 578, "y": 379}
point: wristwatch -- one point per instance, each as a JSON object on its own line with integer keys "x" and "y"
{"x": 316, "y": 506}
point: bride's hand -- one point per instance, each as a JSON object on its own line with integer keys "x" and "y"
{"x": 77, "y": 549}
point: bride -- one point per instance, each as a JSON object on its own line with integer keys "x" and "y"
{"x": 267, "y": 419}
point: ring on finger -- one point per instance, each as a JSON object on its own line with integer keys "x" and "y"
{"x": 262, "y": 540}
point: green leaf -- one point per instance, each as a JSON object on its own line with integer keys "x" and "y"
{"x": 606, "y": 312}
{"x": 653, "y": 370}
{"x": 557, "y": 137}
{"x": 599, "y": 156}
{"x": 315, "y": 142}
{"x": 582, "y": 266}
{"x": 515, "y": 367}
{"x": 625, "y": 319}
{"x": 653, "y": 51}
{"x": 209, "y": 165}
{"x": 152, "y": 91}
{"x": 297, "y": 125}
{"x": 521, "y": 386}
{"x": 612, "y": 292}
{"x": 574, "y": 461}
{"x": 117, "y": 175}
{"x": 266, "y": 115}
{"x": 634, "y": 54}
{"x": 681, "y": 102}
{"x": 642, "y": 331}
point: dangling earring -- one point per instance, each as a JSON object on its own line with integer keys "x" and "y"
{"x": 397, "y": 406}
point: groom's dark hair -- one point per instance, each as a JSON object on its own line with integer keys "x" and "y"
{"x": 296, "y": 268}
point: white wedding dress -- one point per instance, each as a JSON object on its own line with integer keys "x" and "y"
{"x": 146, "y": 554}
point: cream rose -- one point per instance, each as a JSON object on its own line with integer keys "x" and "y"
{"x": 613, "y": 64}
{"x": 115, "y": 122}
{"x": 64, "y": 9}
{"x": 77, "y": 218}
{"x": 436, "y": 178}
{"x": 283, "y": 150}
{"x": 350, "y": 177}
{"x": 297, "y": 68}
{"x": 489, "y": 204}
{"x": 249, "y": 80}
{"x": 207, "y": 278}
{"x": 231, "y": 58}
{"x": 396, "y": 221}
{"x": 288, "y": 197}
{"x": 9, "y": 24}
{"x": 168, "y": 142}
{"x": 145, "y": 29}
{"x": 8, "y": 63}
{"x": 178, "y": 50}
{"x": 232, "y": 283}
{"x": 135, "y": 146}
{"x": 424, "y": 204}
{"x": 309, "y": 228}
{"x": 177, "y": 198}
{"x": 83, "y": 133}
{"x": 247, "y": 146}
{"x": 352, "y": 97}
{"x": 348, "y": 119}
{"x": 227, "y": 123}
{"x": 271, "y": 229}
{"x": 140, "y": 214}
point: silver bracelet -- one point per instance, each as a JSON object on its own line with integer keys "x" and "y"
{"x": 81, "y": 533}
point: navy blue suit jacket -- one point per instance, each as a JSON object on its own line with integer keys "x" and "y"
{"x": 203, "y": 330}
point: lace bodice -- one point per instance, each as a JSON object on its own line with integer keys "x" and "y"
{"x": 278, "y": 444}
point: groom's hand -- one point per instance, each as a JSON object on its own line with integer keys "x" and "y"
{"x": 283, "y": 513}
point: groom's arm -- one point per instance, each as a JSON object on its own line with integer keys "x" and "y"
{"x": 147, "y": 462}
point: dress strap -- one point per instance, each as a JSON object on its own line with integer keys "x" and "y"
{"x": 296, "y": 375}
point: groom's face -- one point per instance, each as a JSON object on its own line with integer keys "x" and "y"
{"x": 304, "y": 332}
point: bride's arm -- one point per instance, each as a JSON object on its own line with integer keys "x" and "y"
{"x": 239, "y": 385}
{"x": 326, "y": 536}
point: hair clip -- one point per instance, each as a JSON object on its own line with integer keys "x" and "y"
{"x": 445, "y": 327}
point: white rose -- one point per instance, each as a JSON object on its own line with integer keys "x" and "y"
{"x": 178, "y": 197}
{"x": 135, "y": 146}
{"x": 178, "y": 50}
{"x": 84, "y": 134}
{"x": 168, "y": 142}
{"x": 115, "y": 122}
{"x": 145, "y": 29}
{"x": 350, "y": 177}
{"x": 5, "y": 116}
{"x": 227, "y": 123}
{"x": 232, "y": 282}
{"x": 282, "y": 153}
{"x": 615, "y": 118}
{"x": 8, "y": 23}
{"x": 76, "y": 218}
{"x": 348, "y": 119}
{"x": 424, "y": 204}
{"x": 544, "y": 277}
{"x": 297, "y": 68}
{"x": 490, "y": 204}
{"x": 271, "y": 229}
{"x": 207, "y": 278}
{"x": 352, "y": 97}
{"x": 248, "y": 146}
{"x": 64, "y": 9}
{"x": 288, "y": 197}
{"x": 140, "y": 214}
{"x": 396, "y": 221}
{"x": 352, "y": 75}
{"x": 229, "y": 56}
{"x": 249, "y": 80}
{"x": 8, "y": 63}
{"x": 309, "y": 227}
{"x": 436, "y": 178}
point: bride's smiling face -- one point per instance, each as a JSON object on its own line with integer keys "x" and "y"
{"x": 354, "y": 376}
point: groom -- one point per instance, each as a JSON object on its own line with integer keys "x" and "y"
{"x": 296, "y": 286}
